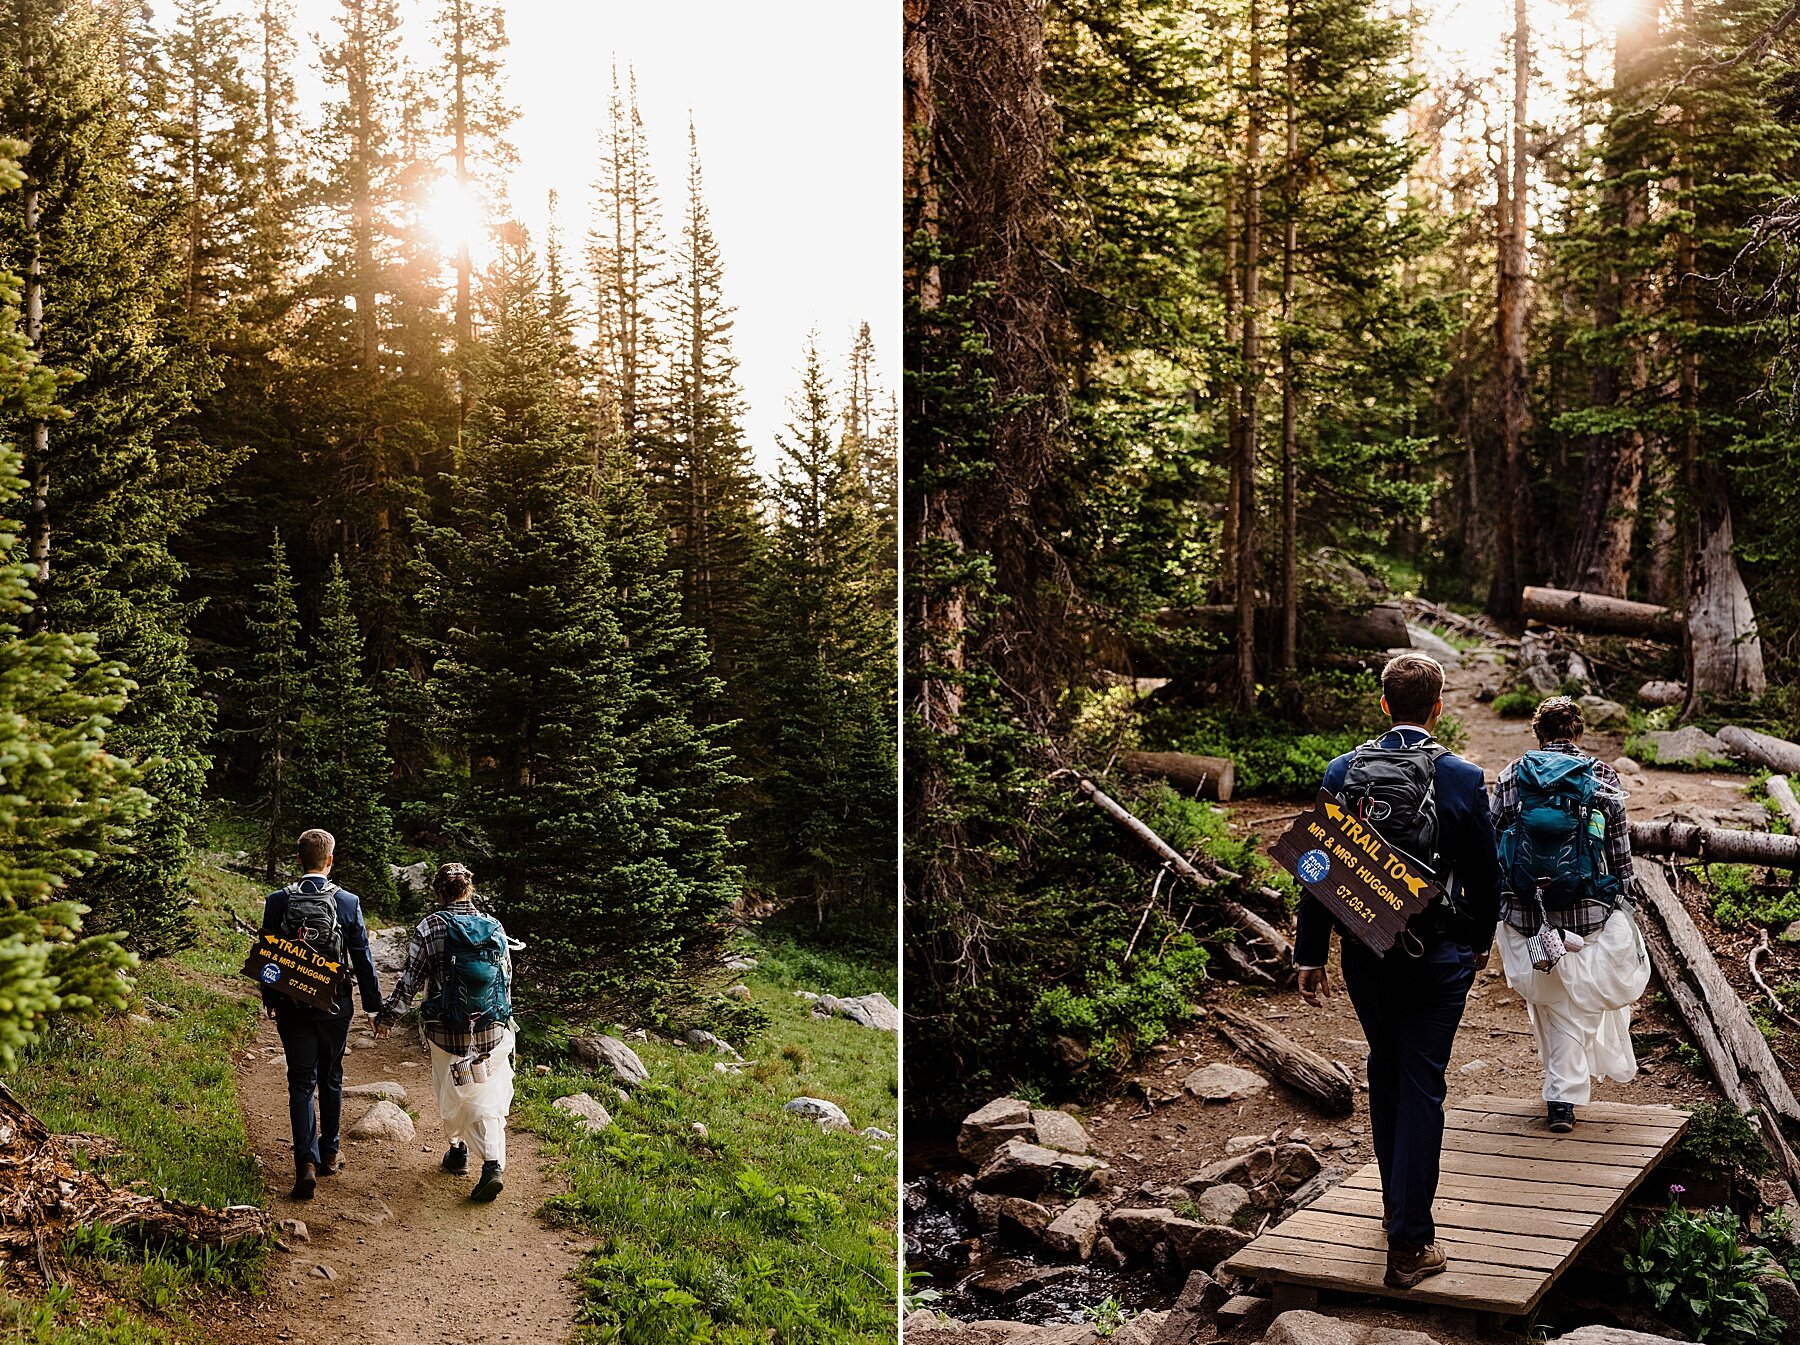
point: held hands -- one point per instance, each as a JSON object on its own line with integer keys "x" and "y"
{"x": 1315, "y": 986}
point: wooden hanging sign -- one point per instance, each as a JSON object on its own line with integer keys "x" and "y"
{"x": 295, "y": 970}
{"x": 1370, "y": 887}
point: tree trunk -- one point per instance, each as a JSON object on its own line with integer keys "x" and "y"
{"x": 37, "y": 467}
{"x": 465, "y": 318}
{"x": 1599, "y": 613}
{"x": 1322, "y": 1082}
{"x": 1290, "y": 468}
{"x": 1247, "y": 549}
{"x": 1724, "y": 650}
{"x": 1783, "y": 794}
{"x": 1201, "y": 777}
{"x": 1715, "y": 844}
{"x": 1760, "y": 749}
{"x": 1510, "y": 331}
{"x": 1234, "y": 336}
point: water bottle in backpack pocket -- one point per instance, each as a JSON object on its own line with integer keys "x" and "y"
{"x": 1555, "y": 849}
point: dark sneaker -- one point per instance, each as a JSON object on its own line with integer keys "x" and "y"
{"x": 1562, "y": 1116}
{"x": 306, "y": 1181}
{"x": 1406, "y": 1266}
{"x": 490, "y": 1184}
{"x": 330, "y": 1163}
{"x": 456, "y": 1159}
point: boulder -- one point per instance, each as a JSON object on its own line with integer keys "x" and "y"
{"x": 1059, "y": 1130}
{"x": 1686, "y": 746}
{"x": 613, "y": 1054}
{"x": 827, "y": 1114}
{"x": 1221, "y": 1204}
{"x": 1072, "y": 1233}
{"x": 1300, "y": 1327}
{"x": 1629, "y": 768}
{"x": 1659, "y": 694}
{"x": 987, "y": 1128}
{"x": 1022, "y": 1220}
{"x": 1599, "y": 713}
{"x": 388, "y": 1089}
{"x": 585, "y": 1109}
{"x": 706, "y": 1041}
{"x": 1020, "y": 1168}
{"x": 1219, "y": 1082}
{"x": 383, "y": 1121}
{"x": 740, "y": 964}
{"x": 1608, "y": 1335}
{"x": 1202, "y": 1246}
{"x": 1192, "y": 1316}
{"x": 1543, "y": 679}
{"x": 875, "y": 1010}
{"x": 1007, "y": 1280}
{"x": 1784, "y": 1302}
{"x": 1430, "y": 642}
{"x": 413, "y": 879}
{"x": 387, "y": 949}
{"x": 1135, "y": 1232}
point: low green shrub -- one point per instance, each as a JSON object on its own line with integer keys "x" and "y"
{"x": 1517, "y": 704}
{"x": 1695, "y": 1273}
{"x": 1742, "y": 894}
{"x": 1724, "y": 1139}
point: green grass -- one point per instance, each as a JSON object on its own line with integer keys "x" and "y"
{"x": 1516, "y": 704}
{"x": 768, "y": 1227}
{"x": 59, "y": 1319}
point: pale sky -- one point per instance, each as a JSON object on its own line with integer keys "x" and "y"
{"x": 797, "y": 107}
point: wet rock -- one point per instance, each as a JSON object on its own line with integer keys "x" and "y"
{"x": 383, "y": 1121}
{"x": 986, "y": 1129}
{"x": 1659, "y": 694}
{"x": 585, "y": 1109}
{"x": 388, "y": 1089}
{"x": 1320, "y": 1183}
{"x": 1007, "y": 1280}
{"x": 875, "y": 1010}
{"x": 1221, "y": 1204}
{"x": 1073, "y": 1233}
{"x": 1686, "y": 746}
{"x": 1219, "y": 1082}
{"x": 827, "y": 1114}
{"x": 1059, "y": 1130}
{"x": 1599, "y": 713}
{"x": 613, "y": 1054}
{"x": 1202, "y": 1246}
{"x": 1019, "y": 1168}
{"x": 1022, "y": 1220}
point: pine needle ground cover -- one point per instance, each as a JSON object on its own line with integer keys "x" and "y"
{"x": 162, "y": 1085}
{"x": 765, "y": 1226}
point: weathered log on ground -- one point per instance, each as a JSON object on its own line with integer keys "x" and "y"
{"x": 1597, "y": 612}
{"x": 1778, "y": 754}
{"x": 45, "y": 1196}
{"x": 1204, "y": 777}
{"x": 1783, "y": 794}
{"x": 1382, "y": 626}
{"x": 1244, "y": 918}
{"x": 1736, "y": 1053}
{"x": 1300, "y": 1068}
{"x": 1692, "y": 841}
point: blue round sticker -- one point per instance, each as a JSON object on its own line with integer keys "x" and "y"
{"x": 1313, "y": 866}
{"x": 270, "y": 973}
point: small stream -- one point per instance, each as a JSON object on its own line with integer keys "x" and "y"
{"x": 980, "y": 1279}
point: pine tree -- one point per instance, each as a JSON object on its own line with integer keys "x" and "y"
{"x": 68, "y": 798}
{"x": 471, "y": 39}
{"x": 277, "y": 698}
{"x": 344, "y": 766}
{"x": 826, "y": 657}
{"x": 559, "y": 640}
{"x": 872, "y": 439}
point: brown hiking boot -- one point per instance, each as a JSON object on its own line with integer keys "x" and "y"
{"x": 330, "y": 1163}
{"x": 1406, "y": 1266}
{"x": 306, "y": 1181}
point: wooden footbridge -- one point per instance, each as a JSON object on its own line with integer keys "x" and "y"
{"x": 1516, "y": 1204}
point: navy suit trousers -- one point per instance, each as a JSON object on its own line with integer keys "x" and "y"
{"x": 315, "y": 1064}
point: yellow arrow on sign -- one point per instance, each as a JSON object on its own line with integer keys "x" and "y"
{"x": 1412, "y": 881}
{"x": 1335, "y": 813}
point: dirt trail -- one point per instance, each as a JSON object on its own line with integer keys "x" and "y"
{"x": 414, "y": 1261}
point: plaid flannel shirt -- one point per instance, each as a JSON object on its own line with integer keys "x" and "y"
{"x": 423, "y": 956}
{"x": 1588, "y": 914}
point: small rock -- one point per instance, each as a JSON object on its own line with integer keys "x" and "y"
{"x": 1135, "y": 1232}
{"x": 738, "y": 992}
{"x": 613, "y": 1054}
{"x": 1792, "y": 933}
{"x": 1192, "y": 1316}
{"x": 875, "y": 1010}
{"x": 1473, "y": 1067}
{"x": 987, "y": 1128}
{"x": 827, "y": 1114}
{"x": 325, "y": 1272}
{"x": 1202, "y": 1246}
{"x": 1020, "y": 1168}
{"x": 1008, "y": 1280}
{"x": 294, "y": 1230}
{"x": 1221, "y": 1204}
{"x": 1599, "y": 713}
{"x": 706, "y": 1041}
{"x": 699, "y": 1129}
{"x": 1628, "y": 768}
{"x": 1608, "y": 1335}
{"x": 1243, "y": 1313}
{"x": 383, "y": 1121}
{"x": 1022, "y": 1220}
{"x": 542, "y": 1070}
{"x": 1318, "y": 1185}
{"x": 1659, "y": 694}
{"x": 1219, "y": 1082}
{"x": 740, "y": 964}
{"x": 388, "y": 1089}
{"x": 1059, "y": 1130}
{"x": 1430, "y": 642}
{"x": 875, "y": 1133}
{"x": 1238, "y": 1144}
{"x": 1544, "y": 679}
{"x": 585, "y": 1109}
{"x": 1073, "y": 1233}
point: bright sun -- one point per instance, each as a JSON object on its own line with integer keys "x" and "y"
{"x": 455, "y": 217}
{"x": 1609, "y": 14}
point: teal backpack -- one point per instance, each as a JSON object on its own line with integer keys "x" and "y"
{"x": 1555, "y": 849}
{"x": 471, "y": 980}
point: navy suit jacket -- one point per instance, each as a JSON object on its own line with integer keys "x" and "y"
{"x": 1465, "y": 835}
{"x": 356, "y": 939}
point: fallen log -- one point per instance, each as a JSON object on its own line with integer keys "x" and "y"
{"x": 1240, "y": 915}
{"x": 1201, "y": 777}
{"x": 1735, "y": 1052}
{"x": 1778, "y": 754}
{"x": 1783, "y": 794}
{"x": 1597, "y": 612}
{"x": 1322, "y": 1081}
{"x": 1692, "y": 841}
{"x": 1382, "y": 626}
{"x": 45, "y": 1196}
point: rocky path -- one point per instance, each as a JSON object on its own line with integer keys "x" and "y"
{"x": 393, "y": 1253}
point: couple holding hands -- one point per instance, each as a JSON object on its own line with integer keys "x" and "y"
{"x": 462, "y": 957}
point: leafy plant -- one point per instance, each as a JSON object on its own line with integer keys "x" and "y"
{"x": 1722, "y": 1138}
{"x": 1516, "y": 704}
{"x": 1740, "y": 897}
{"x": 1695, "y": 1273}
{"x": 1107, "y": 1316}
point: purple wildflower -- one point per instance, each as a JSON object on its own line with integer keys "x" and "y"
{"x": 1676, "y": 1189}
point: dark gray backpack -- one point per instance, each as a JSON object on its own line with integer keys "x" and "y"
{"x": 1393, "y": 791}
{"x": 312, "y": 919}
